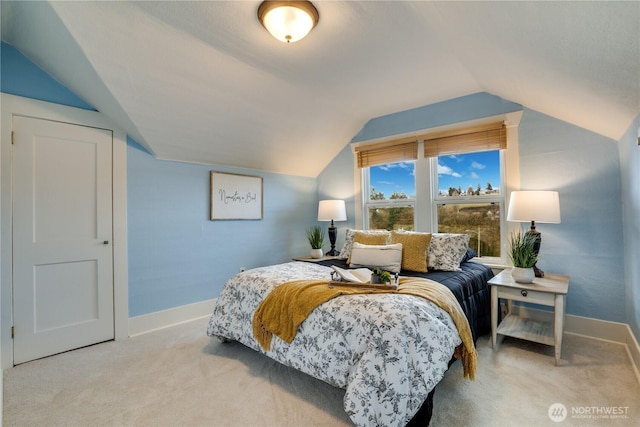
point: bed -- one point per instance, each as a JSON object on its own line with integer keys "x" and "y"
{"x": 387, "y": 351}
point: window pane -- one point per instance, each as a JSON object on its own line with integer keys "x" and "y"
{"x": 471, "y": 174}
{"x": 391, "y": 218}
{"x": 392, "y": 181}
{"x": 480, "y": 221}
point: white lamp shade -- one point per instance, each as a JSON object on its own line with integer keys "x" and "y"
{"x": 332, "y": 210}
{"x": 538, "y": 206}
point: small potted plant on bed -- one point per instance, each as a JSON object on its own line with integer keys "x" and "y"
{"x": 380, "y": 276}
{"x": 315, "y": 235}
{"x": 523, "y": 256}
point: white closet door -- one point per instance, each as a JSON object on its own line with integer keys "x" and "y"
{"x": 62, "y": 232}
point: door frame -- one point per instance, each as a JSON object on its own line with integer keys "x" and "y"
{"x": 16, "y": 105}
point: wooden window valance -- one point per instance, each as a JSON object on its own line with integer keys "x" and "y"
{"x": 387, "y": 152}
{"x": 489, "y": 137}
{"x": 479, "y": 138}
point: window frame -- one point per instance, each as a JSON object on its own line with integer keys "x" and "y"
{"x": 384, "y": 203}
{"x": 437, "y": 200}
{"x": 423, "y": 211}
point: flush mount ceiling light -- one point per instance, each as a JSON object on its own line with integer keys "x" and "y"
{"x": 288, "y": 21}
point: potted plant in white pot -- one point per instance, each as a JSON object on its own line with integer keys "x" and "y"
{"x": 315, "y": 236}
{"x": 523, "y": 256}
{"x": 380, "y": 276}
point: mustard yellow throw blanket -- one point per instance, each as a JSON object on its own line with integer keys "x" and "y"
{"x": 288, "y": 305}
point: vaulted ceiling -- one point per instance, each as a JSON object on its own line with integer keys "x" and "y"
{"x": 204, "y": 81}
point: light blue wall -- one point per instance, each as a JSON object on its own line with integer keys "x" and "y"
{"x": 336, "y": 182}
{"x": 584, "y": 168}
{"x": 456, "y": 110}
{"x": 630, "y": 171}
{"x": 177, "y": 255}
{"x": 554, "y": 155}
{"x": 22, "y": 77}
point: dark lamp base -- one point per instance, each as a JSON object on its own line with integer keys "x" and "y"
{"x": 535, "y": 234}
{"x": 333, "y": 233}
{"x": 538, "y": 272}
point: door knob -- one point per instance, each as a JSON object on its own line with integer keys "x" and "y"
{"x": 106, "y": 242}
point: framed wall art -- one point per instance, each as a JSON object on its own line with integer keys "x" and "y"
{"x": 235, "y": 196}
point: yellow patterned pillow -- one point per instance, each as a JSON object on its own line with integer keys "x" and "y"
{"x": 376, "y": 238}
{"x": 370, "y": 238}
{"x": 414, "y": 249}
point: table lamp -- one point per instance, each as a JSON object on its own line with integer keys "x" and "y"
{"x": 332, "y": 210}
{"x": 541, "y": 206}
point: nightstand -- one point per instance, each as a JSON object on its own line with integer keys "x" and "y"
{"x": 309, "y": 259}
{"x": 550, "y": 290}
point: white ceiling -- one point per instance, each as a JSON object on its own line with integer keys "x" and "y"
{"x": 205, "y": 82}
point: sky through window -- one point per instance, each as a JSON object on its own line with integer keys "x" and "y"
{"x": 457, "y": 171}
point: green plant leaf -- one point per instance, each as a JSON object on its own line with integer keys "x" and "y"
{"x": 522, "y": 250}
{"x": 315, "y": 236}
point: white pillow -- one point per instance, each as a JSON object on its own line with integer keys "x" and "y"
{"x": 387, "y": 257}
{"x": 446, "y": 251}
{"x": 350, "y": 235}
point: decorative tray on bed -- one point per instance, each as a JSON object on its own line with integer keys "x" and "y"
{"x": 358, "y": 285}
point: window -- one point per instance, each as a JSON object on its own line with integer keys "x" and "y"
{"x": 468, "y": 198}
{"x": 457, "y": 184}
{"x": 391, "y": 196}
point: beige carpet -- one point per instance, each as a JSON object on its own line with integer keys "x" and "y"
{"x": 180, "y": 377}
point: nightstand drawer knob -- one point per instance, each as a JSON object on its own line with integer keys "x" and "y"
{"x": 524, "y": 292}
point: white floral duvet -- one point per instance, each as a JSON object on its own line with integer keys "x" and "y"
{"x": 387, "y": 351}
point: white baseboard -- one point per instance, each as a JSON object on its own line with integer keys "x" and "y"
{"x": 619, "y": 333}
{"x": 174, "y": 316}
{"x": 633, "y": 348}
